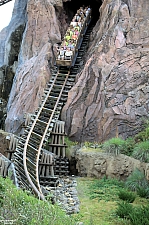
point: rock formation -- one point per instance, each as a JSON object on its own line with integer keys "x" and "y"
{"x": 110, "y": 96}
{"x": 42, "y": 31}
{"x": 10, "y": 42}
{"x": 98, "y": 164}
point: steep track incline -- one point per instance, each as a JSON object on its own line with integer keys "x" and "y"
{"x": 28, "y": 153}
{"x": 35, "y": 137}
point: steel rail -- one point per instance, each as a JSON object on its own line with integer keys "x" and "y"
{"x": 28, "y": 152}
{"x": 37, "y": 188}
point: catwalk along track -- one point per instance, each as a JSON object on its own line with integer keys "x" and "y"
{"x": 40, "y": 156}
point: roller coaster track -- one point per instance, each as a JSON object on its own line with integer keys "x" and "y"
{"x": 32, "y": 143}
{"x": 2, "y": 2}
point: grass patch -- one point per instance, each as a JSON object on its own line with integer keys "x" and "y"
{"x": 23, "y": 208}
{"x": 98, "y": 208}
{"x": 126, "y": 195}
{"x": 90, "y": 149}
{"x": 105, "y": 189}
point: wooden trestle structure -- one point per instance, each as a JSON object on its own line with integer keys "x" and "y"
{"x": 39, "y": 155}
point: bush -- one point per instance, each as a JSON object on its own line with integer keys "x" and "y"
{"x": 143, "y": 135}
{"x": 142, "y": 192}
{"x": 124, "y": 209}
{"x": 126, "y": 195}
{"x": 141, "y": 151}
{"x": 136, "y": 215}
{"x": 137, "y": 182}
{"x": 139, "y": 215}
{"x": 114, "y": 146}
{"x": 128, "y": 146}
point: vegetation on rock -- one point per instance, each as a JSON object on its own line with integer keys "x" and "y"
{"x": 136, "y": 147}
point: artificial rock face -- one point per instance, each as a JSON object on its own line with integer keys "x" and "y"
{"x": 110, "y": 96}
{"x": 98, "y": 164}
{"x": 36, "y": 55}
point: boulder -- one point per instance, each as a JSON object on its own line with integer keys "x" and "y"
{"x": 99, "y": 164}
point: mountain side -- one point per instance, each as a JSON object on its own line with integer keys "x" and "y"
{"x": 110, "y": 96}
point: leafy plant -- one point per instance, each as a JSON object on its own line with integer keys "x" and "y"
{"x": 143, "y": 135}
{"x": 70, "y": 143}
{"x": 136, "y": 215}
{"x": 139, "y": 215}
{"x": 143, "y": 192}
{"x": 141, "y": 151}
{"x": 2, "y": 191}
{"x": 126, "y": 195}
{"x": 124, "y": 209}
{"x": 136, "y": 180}
{"x": 114, "y": 146}
{"x": 88, "y": 144}
{"x": 128, "y": 146}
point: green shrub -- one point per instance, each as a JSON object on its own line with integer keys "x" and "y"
{"x": 126, "y": 195}
{"x": 139, "y": 215}
{"x": 114, "y": 146}
{"x": 135, "y": 180}
{"x": 136, "y": 215}
{"x": 124, "y": 209}
{"x": 141, "y": 151}
{"x": 142, "y": 192}
{"x": 128, "y": 146}
{"x": 143, "y": 135}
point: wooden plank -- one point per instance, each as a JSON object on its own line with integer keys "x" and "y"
{"x": 58, "y": 145}
{"x": 5, "y": 172}
{"x": 46, "y": 164}
{"x": 44, "y": 161}
{"x": 51, "y": 168}
{"x": 40, "y": 165}
{"x": 47, "y": 167}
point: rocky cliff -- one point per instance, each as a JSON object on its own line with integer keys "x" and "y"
{"x": 110, "y": 96}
